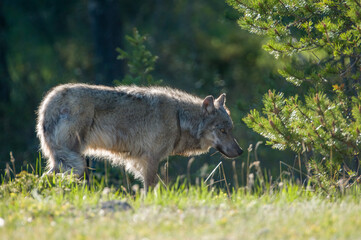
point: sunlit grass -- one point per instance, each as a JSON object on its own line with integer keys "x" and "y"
{"x": 66, "y": 208}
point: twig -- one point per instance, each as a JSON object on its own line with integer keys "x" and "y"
{"x": 160, "y": 179}
{"x": 225, "y": 179}
{"x": 222, "y": 180}
{"x": 235, "y": 176}
{"x": 211, "y": 174}
{"x": 289, "y": 166}
{"x": 190, "y": 161}
{"x": 299, "y": 165}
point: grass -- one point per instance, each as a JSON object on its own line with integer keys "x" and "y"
{"x": 65, "y": 208}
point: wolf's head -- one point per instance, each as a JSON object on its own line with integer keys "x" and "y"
{"x": 217, "y": 126}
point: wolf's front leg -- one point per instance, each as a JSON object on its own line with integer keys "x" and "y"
{"x": 150, "y": 175}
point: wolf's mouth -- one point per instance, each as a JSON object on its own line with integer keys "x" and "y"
{"x": 229, "y": 155}
{"x": 219, "y": 148}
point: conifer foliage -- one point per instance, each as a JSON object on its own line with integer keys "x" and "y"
{"x": 321, "y": 40}
{"x": 322, "y": 36}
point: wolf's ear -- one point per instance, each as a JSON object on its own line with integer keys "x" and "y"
{"x": 208, "y": 104}
{"x": 221, "y": 99}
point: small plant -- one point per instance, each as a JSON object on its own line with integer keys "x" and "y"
{"x": 318, "y": 43}
{"x": 318, "y": 124}
{"x": 26, "y": 183}
{"x": 140, "y": 60}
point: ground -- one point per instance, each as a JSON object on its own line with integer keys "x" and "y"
{"x": 65, "y": 209}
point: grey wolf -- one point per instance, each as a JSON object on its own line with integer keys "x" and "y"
{"x": 132, "y": 126}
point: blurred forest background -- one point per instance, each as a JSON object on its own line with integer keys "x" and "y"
{"x": 199, "y": 45}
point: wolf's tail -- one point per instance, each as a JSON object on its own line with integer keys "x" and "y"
{"x": 58, "y": 138}
{"x": 46, "y": 123}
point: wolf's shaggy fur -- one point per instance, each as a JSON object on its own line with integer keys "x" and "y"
{"x": 133, "y": 126}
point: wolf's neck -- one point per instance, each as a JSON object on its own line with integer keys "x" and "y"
{"x": 188, "y": 142}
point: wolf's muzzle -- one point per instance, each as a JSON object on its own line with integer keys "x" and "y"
{"x": 231, "y": 152}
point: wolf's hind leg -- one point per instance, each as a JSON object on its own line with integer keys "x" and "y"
{"x": 66, "y": 143}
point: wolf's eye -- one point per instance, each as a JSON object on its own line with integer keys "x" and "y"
{"x": 222, "y": 130}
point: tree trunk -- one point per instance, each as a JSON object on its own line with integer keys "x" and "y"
{"x": 4, "y": 71}
{"x": 107, "y": 32}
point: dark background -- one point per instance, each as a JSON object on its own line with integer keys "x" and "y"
{"x": 201, "y": 50}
